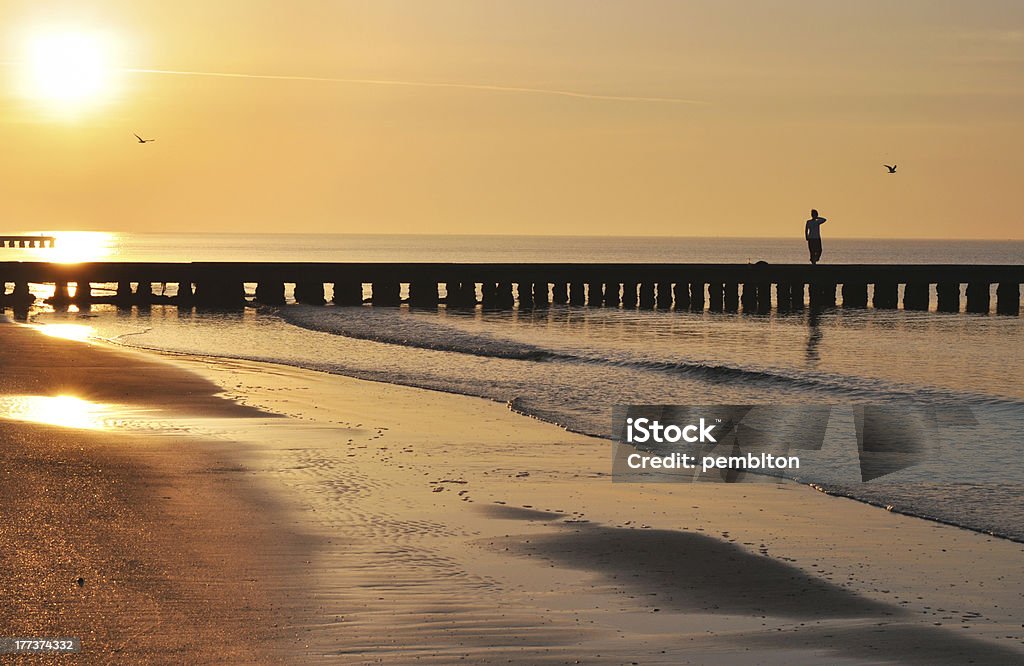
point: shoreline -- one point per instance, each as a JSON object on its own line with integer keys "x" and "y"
{"x": 433, "y": 538}
{"x": 820, "y": 487}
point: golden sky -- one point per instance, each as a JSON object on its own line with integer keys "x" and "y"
{"x": 623, "y": 117}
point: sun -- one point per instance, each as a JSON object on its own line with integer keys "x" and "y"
{"x": 67, "y": 70}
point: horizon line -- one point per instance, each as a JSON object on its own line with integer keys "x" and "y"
{"x": 796, "y": 238}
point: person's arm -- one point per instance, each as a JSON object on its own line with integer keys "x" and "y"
{"x": 807, "y": 230}
{"x": 822, "y": 220}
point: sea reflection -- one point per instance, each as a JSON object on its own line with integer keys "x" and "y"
{"x": 63, "y": 410}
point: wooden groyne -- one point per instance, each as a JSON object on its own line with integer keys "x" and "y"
{"x": 28, "y": 241}
{"x": 720, "y": 287}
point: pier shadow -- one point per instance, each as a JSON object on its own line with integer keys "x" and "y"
{"x": 517, "y": 513}
{"x": 691, "y": 572}
{"x": 896, "y": 643}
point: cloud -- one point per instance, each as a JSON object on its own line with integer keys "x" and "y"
{"x": 484, "y": 87}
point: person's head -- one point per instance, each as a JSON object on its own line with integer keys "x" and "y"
{"x": 814, "y": 214}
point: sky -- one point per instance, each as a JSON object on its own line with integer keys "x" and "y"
{"x": 578, "y": 117}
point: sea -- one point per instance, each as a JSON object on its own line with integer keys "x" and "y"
{"x": 570, "y": 365}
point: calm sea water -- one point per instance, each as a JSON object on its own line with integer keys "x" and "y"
{"x": 569, "y": 365}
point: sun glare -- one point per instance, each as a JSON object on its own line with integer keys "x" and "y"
{"x": 73, "y": 247}
{"x": 68, "y": 69}
{"x": 63, "y": 410}
{"x": 76, "y": 332}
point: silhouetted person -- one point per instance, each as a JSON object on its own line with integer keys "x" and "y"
{"x": 812, "y": 232}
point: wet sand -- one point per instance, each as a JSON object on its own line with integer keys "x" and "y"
{"x": 384, "y": 523}
{"x": 133, "y": 543}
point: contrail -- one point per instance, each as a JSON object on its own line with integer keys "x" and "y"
{"x": 425, "y": 84}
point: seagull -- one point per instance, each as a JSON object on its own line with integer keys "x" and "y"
{"x": 141, "y": 140}
{"x": 892, "y": 169}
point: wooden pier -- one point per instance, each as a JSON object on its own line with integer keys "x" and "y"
{"x": 718, "y": 287}
{"x": 28, "y": 241}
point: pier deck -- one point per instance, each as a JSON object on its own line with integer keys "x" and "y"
{"x": 752, "y": 287}
{"x": 28, "y": 241}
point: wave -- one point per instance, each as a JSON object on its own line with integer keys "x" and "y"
{"x": 409, "y": 330}
{"x": 978, "y": 520}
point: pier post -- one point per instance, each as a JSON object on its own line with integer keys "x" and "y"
{"x": 386, "y": 293}
{"x": 595, "y": 293}
{"x": 647, "y": 295}
{"x": 21, "y": 296}
{"x": 425, "y": 294}
{"x": 309, "y": 292}
{"x": 764, "y": 296}
{"x": 797, "y": 295}
{"x": 469, "y": 293}
{"x": 185, "y": 295}
{"x": 630, "y": 297}
{"x": 663, "y": 300}
{"x": 560, "y": 293}
{"x": 697, "y": 296}
{"x": 143, "y": 294}
{"x": 540, "y": 294}
{"x": 731, "y": 296}
{"x": 855, "y": 295}
{"x": 886, "y": 295}
{"x": 1008, "y": 298}
{"x": 978, "y": 297}
{"x": 124, "y": 294}
{"x": 525, "y": 291}
{"x": 948, "y": 296}
{"x": 220, "y": 293}
{"x": 347, "y": 292}
{"x": 823, "y": 295}
{"x": 577, "y": 293}
{"x": 60, "y": 293}
{"x": 83, "y": 292}
{"x": 611, "y": 294}
{"x": 915, "y": 296}
{"x": 270, "y": 293}
{"x": 488, "y": 295}
{"x": 782, "y": 295}
{"x": 749, "y": 297}
{"x": 506, "y": 299}
{"x": 716, "y": 296}
{"x": 681, "y": 291}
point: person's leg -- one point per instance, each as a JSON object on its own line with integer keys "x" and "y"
{"x": 814, "y": 246}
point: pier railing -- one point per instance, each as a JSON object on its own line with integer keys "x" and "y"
{"x": 750, "y": 287}
{"x": 28, "y": 241}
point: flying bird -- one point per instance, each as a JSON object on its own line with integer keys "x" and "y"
{"x": 141, "y": 140}
{"x": 892, "y": 169}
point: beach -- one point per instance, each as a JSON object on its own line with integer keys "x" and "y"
{"x": 231, "y": 511}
